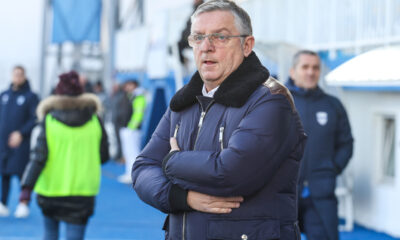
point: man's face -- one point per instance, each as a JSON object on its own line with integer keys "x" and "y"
{"x": 216, "y": 63}
{"x": 129, "y": 87}
{"x": 18, "y": 77}
{"x": 306, "y": 72}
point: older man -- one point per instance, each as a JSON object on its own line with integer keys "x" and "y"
{"x": 224, "y": 159}
{"x": 328, "y": 150}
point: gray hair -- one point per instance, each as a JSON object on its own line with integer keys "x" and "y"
{"x": 242, "y": 19}
{"x": 296, "y": 57}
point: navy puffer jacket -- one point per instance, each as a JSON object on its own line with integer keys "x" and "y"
{"x": 17, "y": 113}
{"x": 246, "y": 141}
{"x": 328, "y": 150}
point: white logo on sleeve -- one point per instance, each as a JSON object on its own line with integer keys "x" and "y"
{"x": 20, "y": 100}
{"x": 5, "y": 98}
{"x": 322, "y": 118}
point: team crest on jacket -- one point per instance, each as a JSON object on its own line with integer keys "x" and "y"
{"x": 20, "y": 100}
{"x": 322, "y": 118}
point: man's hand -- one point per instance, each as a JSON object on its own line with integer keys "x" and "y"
{"x": 15, "y": 139}
{"x": 211, "y": 204}
{"x": 174, "y": 144}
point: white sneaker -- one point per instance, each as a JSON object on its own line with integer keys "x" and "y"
{"x": 4, "y": 212}
{"x": 125, "y": 178}
{"x": 22, "y": 211}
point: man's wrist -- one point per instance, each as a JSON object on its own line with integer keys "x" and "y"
{"x": 178, "y": 199}
{"x": 166, "y": 159}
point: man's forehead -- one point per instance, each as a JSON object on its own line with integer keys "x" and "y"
{"x": 308, "y": 59}
{"x": 214, "y": 21}
{"x": 18, "y": 71}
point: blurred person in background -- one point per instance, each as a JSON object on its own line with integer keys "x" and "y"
{"x": 65, "y": 165}
{"x": 117, "y": 115}
{"x": 98, "y": 89}
{"x": 133, "y": 106}
{"x": 17, "y": 119}
{"x": 223, "y": 161}
{"x": 328, "y": 150}
{"x": 85, "y": 83}
{"x": 183, "y": 43}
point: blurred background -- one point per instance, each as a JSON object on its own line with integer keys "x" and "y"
{"x": 111, "y": 41}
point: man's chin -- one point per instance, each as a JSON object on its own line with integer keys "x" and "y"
{"x": 209, "y": 79}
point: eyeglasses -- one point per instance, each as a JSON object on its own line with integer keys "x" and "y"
{"x": 217, "y": 39}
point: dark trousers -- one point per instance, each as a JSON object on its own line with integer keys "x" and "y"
{"x": 5, "y": 187}
{"x": 73, "y": 231}
{"x": 310, "y": 221}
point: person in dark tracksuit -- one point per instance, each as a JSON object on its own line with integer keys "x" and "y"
{"x": 328, "y": 150}
{"x": 223, "y": 162}
{"x": 17, "y": 119}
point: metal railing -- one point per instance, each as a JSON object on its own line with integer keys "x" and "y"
{"x": 326, "y": 24}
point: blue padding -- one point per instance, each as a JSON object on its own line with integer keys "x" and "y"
{"x": 167, "y": 83}
{"x": 372, "y": 88}
{"x": 76, "y": 21}
{"x": 341, "y": 58}
{"x": 156, "y": 111}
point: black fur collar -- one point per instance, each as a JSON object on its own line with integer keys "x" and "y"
{"x": 233, "y": 92}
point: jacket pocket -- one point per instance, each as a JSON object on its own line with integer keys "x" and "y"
{"x": 248, "y": 229}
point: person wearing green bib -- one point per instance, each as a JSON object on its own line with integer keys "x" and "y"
{"x": 130, "y": 134}
{"x": 65, "y": 164}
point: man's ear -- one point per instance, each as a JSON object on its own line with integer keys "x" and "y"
{"x": 291, "y": 73}
{"x": 248, "y": 45}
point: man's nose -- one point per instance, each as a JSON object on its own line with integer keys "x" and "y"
{"x": 311, "y": 71}
{"x": 206, "y": 45}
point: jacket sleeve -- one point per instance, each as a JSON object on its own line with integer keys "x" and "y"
{"x": 343, "y": 139}
{"x": 31, "y": 121}
{"x": 149, "y": 180}
{"x": 37, "y": 161}
{"x": 104, "y": 150}
{"x": 262, "y": 141}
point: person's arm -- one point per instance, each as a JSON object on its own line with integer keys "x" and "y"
{"x": 154, "y": 188}
{"x": 104, "y": 151}
{"x": 149, "y": 181}
{"x": 38, "y": 159}
{"x": 343, "y": 139}
{"x": 26, "y": 129}
{"x": 204, "y": 202}
{"x": 263, "y": 139}
{"x": 138, "y": 105}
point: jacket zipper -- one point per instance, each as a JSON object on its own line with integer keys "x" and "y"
{"x": 176, "y": 130}
{"x": 202, "y": 115}
{"x": 183, "y": 225}
{"x": 221, "y": 137}
{"x": 184, "y": 214}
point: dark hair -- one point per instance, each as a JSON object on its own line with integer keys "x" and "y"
{"x": 69, "y": 84}
{"x": 134, "y": 81}
{"x": 20, "y": 67}
{"x": 98, "y": 83}
{"x": 296, "y": 57}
